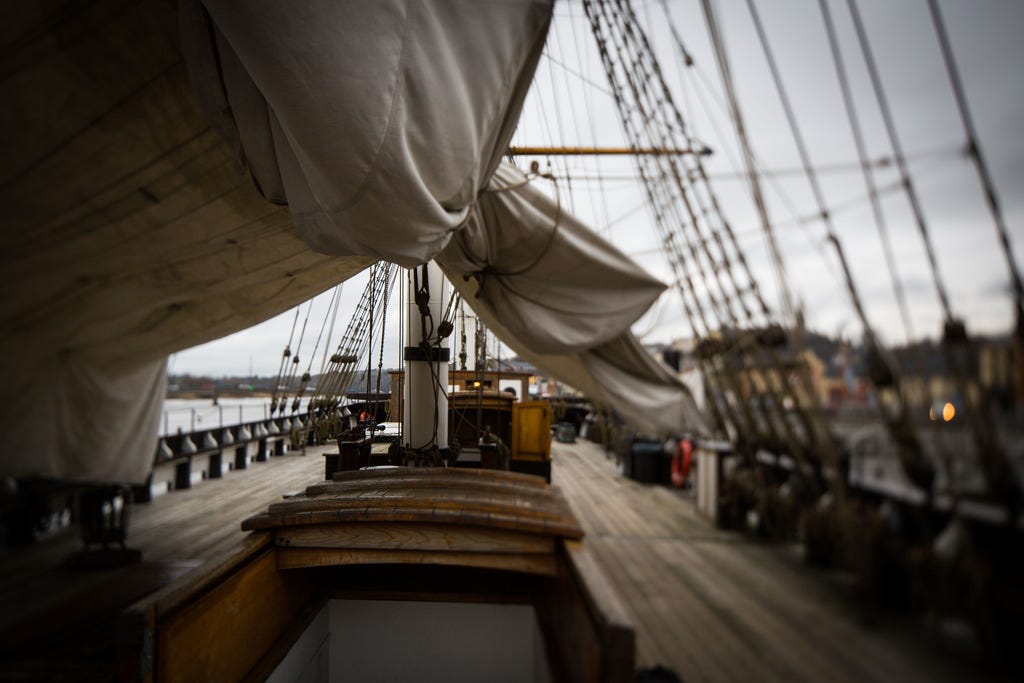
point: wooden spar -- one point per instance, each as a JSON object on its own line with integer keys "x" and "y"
{"x": 606, "y": 151}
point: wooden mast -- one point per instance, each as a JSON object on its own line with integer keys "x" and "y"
{"x": 606, "y": 151}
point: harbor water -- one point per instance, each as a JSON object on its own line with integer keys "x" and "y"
{"x": 189, "y": 415}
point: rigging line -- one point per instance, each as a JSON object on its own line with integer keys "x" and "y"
{"x": 351, "y": 344}
{"x": 721, "y": 308}
{"x": 755, "y": 185}
{"x": 873, "y": 191}
{"x": 776, "y": 187}
{"x": 545, "y": 122}
{"x": 302, "y": 334}
{"x": 564, "y": 161}
{"x": 805, "y": 158}
{"x": 383, "y": 325}
{"x": 687, "y": 62}
{"x": 683, "y": 52}
{"x": 561, "y": 131}
{"x": 710, "y": 93}
{"x": 637, "y": 83}
{"x": 625, "y": 214}
{"x": 894, "y": 142}
{"x": 568, "y": 69}
{"x": 837, "y": 208}
{"x": 699, "y": 173}
{"x": 304, "y": 381}
{"x": 974, "y": 151}
{"x": 646, "y": 174}
{"x": 545, "y": 125}
{"x": 462, "y": 334}
{"x": 449, "y": 309}
{"x": 911, "y": 458}
{"x": 603, "y": 216}
{"x": 845, "y": 167}
{"x": 995, "y": 464}
{"x": 284, "y": 359}
{"x": 575, "y": 121}
{"x": 319, "y": 336}
{"x": 944, "y": 152}
{"x": 742, "y": 418}
{"x": 779, "y": 381}
{"x": 341, "y": 368}
{"x": 330, "y": 333}
{"x": 369, "y": 348}
{"x": 293, "y": 369}
{"x": 704, "y": 212}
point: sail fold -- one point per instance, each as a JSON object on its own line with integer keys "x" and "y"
{"x": 377, "y": 123}
{"x": 382, "y": 127}
{"x": 564, "y": 299}
{"x": 375, "y": 128}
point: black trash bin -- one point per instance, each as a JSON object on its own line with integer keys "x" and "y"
{"x": 646, "y": 466}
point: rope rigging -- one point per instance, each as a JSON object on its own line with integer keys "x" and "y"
{"x": 957, "y": 346}
{"x": 771, "y": 176}
{"x": 330, "y": 333}
{"x": 869, "y": 182}
{"x": 974, "y": 151}
{"x": 885, "y": 378}
{"x": 306, "y": 376}
{"x": 709, "y": 269}
{"x": 284, "y": 359}
{"x": 725, "y": 72}
{"x": 292, "y": 371}
{"x": 335, "y": 382}
{"x": 694, "y": 306}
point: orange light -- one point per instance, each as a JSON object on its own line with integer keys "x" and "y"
{"x": 948, "y": 412}
{"x": 476, "y": 385}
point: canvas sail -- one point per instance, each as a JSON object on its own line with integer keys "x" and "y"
{"x": 405, "y": 167}
{"x": 380, "y": 125}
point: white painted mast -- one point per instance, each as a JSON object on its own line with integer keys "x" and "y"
{"x": 425, "y": 391}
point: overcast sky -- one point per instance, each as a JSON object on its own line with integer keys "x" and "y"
{"x": 569, "y": 105}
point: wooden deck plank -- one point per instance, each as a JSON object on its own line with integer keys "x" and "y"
{"x": 717, "y": 606}
{"x": 710, "y": 604}
{"x": 176, "y": 532}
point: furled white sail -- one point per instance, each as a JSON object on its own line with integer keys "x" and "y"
{"x": 387, "y": 143}
{"x": 377, "y": 122}
{"x": 564, "y": 299}
{"x": 128, "y": 234}
{"x": 131, "y": 233}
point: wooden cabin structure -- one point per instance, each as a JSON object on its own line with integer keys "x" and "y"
{"x": 463, "y": 381}
{"x": 523, "y": 428}
{"x": 360, "y": 572}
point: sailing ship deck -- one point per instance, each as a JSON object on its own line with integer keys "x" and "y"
{"x": 715, "y": 605}
{"x": 712, "y": 605}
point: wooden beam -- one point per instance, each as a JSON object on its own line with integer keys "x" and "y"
{"x": 545, "y": 564}
{"x": 606, "y": 151}
{"x": 402, "y": 536}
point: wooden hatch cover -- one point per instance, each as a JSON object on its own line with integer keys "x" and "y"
{"x": 448, "y": 516}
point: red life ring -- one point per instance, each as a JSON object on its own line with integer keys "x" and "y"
{"x": 681, "y": 461}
